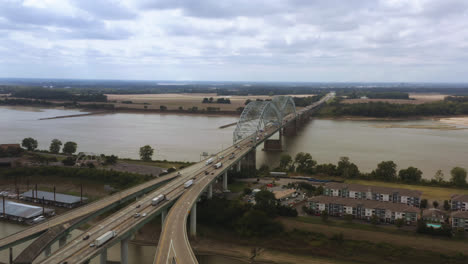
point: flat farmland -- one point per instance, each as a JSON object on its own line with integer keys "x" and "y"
{"x": 174, "y": 101}
{"x": 417, "y": 98}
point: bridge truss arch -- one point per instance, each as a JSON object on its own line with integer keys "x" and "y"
{"x": 285, "y": 105}
{"x": 256, "y": 116}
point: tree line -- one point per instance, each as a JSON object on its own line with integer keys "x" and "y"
{"x": 449, "y": 106}
{"x": 385, "y": 171}
{"x": 218, "y": 101}
{"x": 58, "y": 94}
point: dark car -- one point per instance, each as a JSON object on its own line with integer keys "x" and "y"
{"x": 86, "y": 237}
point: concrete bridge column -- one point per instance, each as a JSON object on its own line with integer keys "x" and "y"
{"x": 210, "y": 191}
{"x": 193, "y": 220}
{"x": 11, "y": 255}
{"x": 163, "y": 216}
{"x": 225, "y": 182}
{"x": 47, "y": 251}
{"x": 239, "y": 166}
{"x": 124, "y": 251}
{"x": 250, "y": 162}
{"x": 62, "y": 241}
{"x": 103, "y": 257}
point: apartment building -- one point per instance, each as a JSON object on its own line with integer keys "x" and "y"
{"x": 460, "y": 220}
{"x": 364, "y": 209}
{"x": 375, "y": 193}
{"x": 459, "y": 202}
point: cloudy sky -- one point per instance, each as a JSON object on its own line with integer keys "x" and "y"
{"x": 237, "y": 40}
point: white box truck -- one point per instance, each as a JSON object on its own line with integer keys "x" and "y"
{"x": 209, "y": 161}
{"x": 158, "y": 199}
{"x": 188, "y": 184}
{"x": 218, "y": 165}
{"x": 104, "y": 238}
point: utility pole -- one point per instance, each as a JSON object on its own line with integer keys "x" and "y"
{"x": 81, "y": 194}
{"x": 4, "y": 209}
{"x": 55, "y": 201}
{"x": 43, "y": 209}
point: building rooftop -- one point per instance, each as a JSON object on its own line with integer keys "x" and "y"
{"x": 376, "y": 189}
{"x": 283, "y": 193}
{"x": 460, "y": 214}
{"x": 23, "y": 210}
{"x": 460, "y": 198}
{"x": 396, "y": 207}
{"x": 59, "y": 197}
{"x": 433, "y": 212}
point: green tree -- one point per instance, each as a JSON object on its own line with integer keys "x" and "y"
{"x": 374, "y": 220}
{"x": 319, "y": 190}
{"x": 399, "y": 222}
{"x": 435, "y": 204}
{"x": 266, "y": 202}
{"x": 458, "y": 176}
{"x": 146, "y": 152}
{"x": 55, "y": 146}
{"x": 257, "y": 223}
{"x": 29, "y": 143}
{"x": 423, "y": 203}
{"x": 347, "y": 169}
{"x": 386, "y": 170}
{"x": 410, "y": 175}
{"x": 439, "y": 176}
{"x": 304, "y": 162}
{"x": 247, "y": 191}
{"x": 285, "y": 162}
{"x": 324, "y": 216}
{"x": 162, "y": 107}
{"x": 446, "y": 205}
{"x": 69, "y": 147}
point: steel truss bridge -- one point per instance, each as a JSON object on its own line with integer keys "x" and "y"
{"x": 257, "y": 123}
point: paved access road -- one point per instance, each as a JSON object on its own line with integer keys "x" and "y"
{"x": 174, "y": 246}
{"x": 79, "y": 250}
{"x": 35, "y": 230}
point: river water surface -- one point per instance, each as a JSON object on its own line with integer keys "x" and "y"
{"x": 185, "y": 137}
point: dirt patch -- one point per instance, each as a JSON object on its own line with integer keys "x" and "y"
{"x": 416, "y": 98}
{"x": 461, "y": 121}
{"x": 135, "y": 168}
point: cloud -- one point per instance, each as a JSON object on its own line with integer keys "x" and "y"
{"x": 292, "y": 40}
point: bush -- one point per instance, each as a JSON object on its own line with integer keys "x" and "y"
{"x": 69, "y": 161}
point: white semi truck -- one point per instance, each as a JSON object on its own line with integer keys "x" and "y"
{"x": 155, "y": 201}
{"x": 218, "y": 165}
{"x": 209, "y": 161}
{"x": 188, "y": 183}
{"x": 104, "y": 238}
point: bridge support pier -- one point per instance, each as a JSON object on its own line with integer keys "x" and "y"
{"x": 47, "y": 251}
{"x": 250, "y": 162}
{"x": 193, "y": 220}
{"x": 103, "y": 257}
{"x": 62, "y": 241}
{"x": 11, "y": 255}
{"x": 238, "y": 166}
{"x": 163, "y": 216}
{"x": 225, "y": 182}
{"x": 124, "y": 251}
{"x": 290, "y": 129}
{"x": 210, "y": 191}
{"x": 272, "y": 145}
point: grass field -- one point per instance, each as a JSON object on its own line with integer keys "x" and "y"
{"x": 159, "y": 163}
{"x": 174, "y": 101}
{"x": 429, "y": 192}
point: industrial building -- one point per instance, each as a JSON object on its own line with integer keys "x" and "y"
{"x": 22, "y": 212}
{"x": 56, "y": 199}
